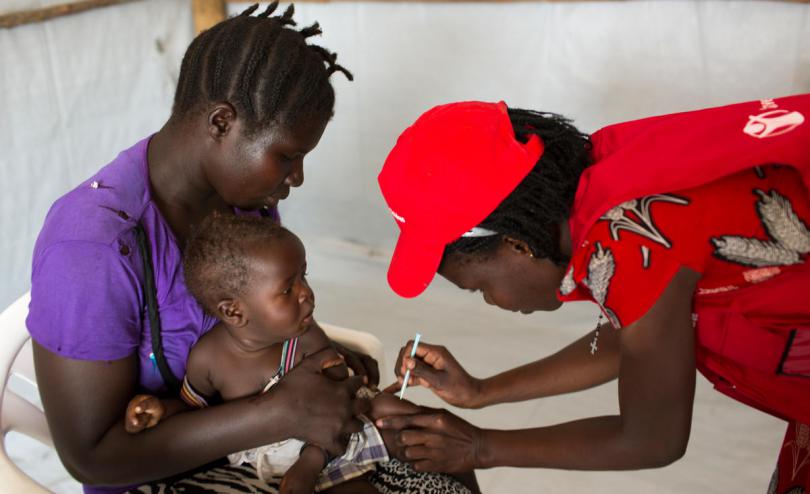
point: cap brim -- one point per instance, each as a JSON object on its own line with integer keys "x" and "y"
{"x": 413, "y": 265}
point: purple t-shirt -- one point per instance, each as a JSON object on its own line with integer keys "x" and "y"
{"x": 87, "y": 282}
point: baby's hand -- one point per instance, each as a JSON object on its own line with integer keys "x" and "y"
{"x": 143, "y": 412}
{"x": 303, "y": 475}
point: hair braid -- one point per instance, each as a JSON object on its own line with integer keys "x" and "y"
{"x": 223, "y": 39}
{"x": 244, "y": 91}
{"x": 286, "y": 18}
{"x": 313, "y": 30}
{"x": 260, "y": 65}
{"x": 183, "y": 99}
{"x": 250, "y": 10}
{"x": 269, "y": 10}
{"x": 330, "y": 59}
{"x": 277, "y": 89}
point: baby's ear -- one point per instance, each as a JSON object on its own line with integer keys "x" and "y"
{"x": 230, "y": 312}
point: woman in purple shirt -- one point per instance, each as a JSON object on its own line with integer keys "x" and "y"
{"x": 253, "y": 98}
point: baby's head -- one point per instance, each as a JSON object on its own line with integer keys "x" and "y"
{"x": 250, "y": 273}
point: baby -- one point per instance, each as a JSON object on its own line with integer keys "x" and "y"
{"x": 251, "y": 273}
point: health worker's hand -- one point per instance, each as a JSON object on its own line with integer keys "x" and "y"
{"x": 435, "y": 368}
{"x": 435, "y": 441}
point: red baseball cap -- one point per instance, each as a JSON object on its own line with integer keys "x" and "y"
{"x": 447, "y": 172}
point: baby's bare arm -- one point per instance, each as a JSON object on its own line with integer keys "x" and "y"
{"x": 388, "y": 405}
{"x": 201, "y": 363}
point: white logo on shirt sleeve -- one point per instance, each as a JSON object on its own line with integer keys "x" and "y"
{"x": 396, "y": 216}
{"x": 773, "y": 123}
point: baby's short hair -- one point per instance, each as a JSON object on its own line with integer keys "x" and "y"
{"x": 216, "y": 257}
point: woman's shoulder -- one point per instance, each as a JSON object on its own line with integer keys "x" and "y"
{"x": 104, "y": 206}
{"x": 86, "y": 276}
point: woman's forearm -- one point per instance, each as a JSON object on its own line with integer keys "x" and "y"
{"x": 84, "y": 402}
{"x": 656, "y": 392}
{"x": 598, "y": 443}
{"x": 573, "y": 368}
{"x": 181, "y": 442}
{"x": 173, "y": 406}
{"x": 654, "y": 360}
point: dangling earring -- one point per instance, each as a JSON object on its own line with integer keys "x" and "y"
{"x": 594, "y": 348}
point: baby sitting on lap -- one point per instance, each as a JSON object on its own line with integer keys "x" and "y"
{"x": 251, "y": 273}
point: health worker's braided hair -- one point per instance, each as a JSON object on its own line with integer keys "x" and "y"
{"x": 533, "y": 211}
{"x": 260, "y": 65}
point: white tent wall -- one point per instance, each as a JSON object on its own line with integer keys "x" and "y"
{"x": 75, "y": 91}
{"x": 596, "y": 62}
{"x": 78, "y": 89}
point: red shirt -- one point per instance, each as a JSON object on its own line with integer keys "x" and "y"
{"x": 679, "y": 190}
{"x": 736, "y": 231}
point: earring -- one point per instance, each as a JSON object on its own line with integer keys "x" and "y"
{"x": 594, "y": 348}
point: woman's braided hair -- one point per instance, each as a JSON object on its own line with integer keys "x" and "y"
{"x": 533, "y": 211}
{"x": 260, "y": 65}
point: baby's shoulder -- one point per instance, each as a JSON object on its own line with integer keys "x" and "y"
{"x": 207, "y": 350}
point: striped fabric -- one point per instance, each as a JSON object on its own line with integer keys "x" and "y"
{"x": 229, "y": 479}
{"x": 392, "y": 477}
{"x": 190, "y": 396}
{"x": 288, "y": 356}
{"x": 364, "y": 451}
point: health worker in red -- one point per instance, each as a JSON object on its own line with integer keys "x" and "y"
{"x": 690, "y": 231}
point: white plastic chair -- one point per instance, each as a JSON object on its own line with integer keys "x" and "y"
{"x": 19, "y": 415}
{"x": 16, "y": 413}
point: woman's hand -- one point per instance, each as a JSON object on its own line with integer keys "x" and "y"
{"x": 303, "y": 474}
{"x": 330, "y": 406}
{"x": 435, "y": 368}
{"x": 435, "y": 441}
{"x": 362, "y": 364}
